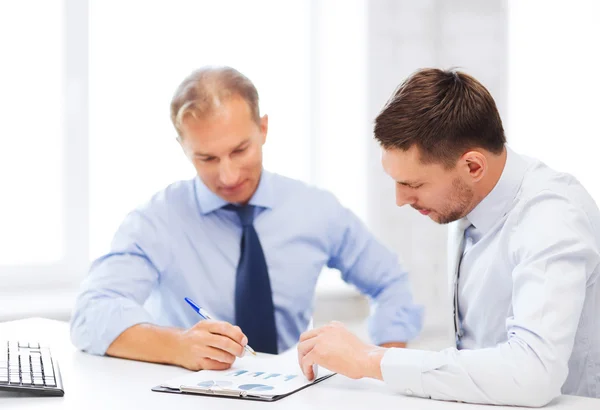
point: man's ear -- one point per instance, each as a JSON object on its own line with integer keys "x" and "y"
{"x": 180, "y": 141}
{"x": 264, "y": 127}
{"x": 476, "y": 164}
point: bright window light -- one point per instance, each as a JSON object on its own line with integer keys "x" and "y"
{"x": 554, "y": 86}
{"x": 32, "y": 211}
{"x": 136, "y": 64}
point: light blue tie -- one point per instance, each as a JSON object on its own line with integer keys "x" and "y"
{"x": 464, "y": 227}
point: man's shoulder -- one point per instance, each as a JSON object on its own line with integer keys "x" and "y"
{"x": 552, "y": 196}
{"x": 543, "y": 182}
{"x": 175, "y": 196}
{"x": 289, "y": 188}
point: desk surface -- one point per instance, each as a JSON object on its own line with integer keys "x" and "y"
{"x": 92, "y": 382}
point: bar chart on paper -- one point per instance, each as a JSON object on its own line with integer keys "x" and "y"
{"x": 250, "y": 381}
{"x": 265, "y": 375}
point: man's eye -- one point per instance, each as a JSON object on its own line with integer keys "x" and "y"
{"x": 210, "y": 159}
{"x": 409, "y": 185}
{"x": 239, "y": 150}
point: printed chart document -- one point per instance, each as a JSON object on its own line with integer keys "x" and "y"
{"x": 262, "y": 377}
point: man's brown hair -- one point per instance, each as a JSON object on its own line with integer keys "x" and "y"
{"x": 444, "y": 113}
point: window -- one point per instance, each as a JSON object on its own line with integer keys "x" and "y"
{"x": 133, "y": 74}
{"x": 32, "y": 209}
{"x": 86, "y": 134}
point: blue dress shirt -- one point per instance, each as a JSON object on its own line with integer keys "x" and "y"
{"x": 182, "y": 243}
{"x": 528, "y": 297}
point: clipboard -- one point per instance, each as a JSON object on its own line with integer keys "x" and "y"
{"x": 234, "y": 394}
{"x": 265, "y": 377}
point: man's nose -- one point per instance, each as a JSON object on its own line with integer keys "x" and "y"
{"x": 404, "y": 197}
{"x": 228, "y": 173}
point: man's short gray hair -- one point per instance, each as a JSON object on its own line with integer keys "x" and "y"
{"x": 206, "y": 89}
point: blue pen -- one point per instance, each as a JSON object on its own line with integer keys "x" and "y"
{"x": 204, "y": 315}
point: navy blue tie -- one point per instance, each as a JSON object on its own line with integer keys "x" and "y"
{"x": 254, "y": 311}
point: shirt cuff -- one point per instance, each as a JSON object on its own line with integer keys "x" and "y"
{"x": 402, "y": 370}
{"x": 387, "y": 325}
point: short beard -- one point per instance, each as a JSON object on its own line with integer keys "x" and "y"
{"x": 459, "y": 202}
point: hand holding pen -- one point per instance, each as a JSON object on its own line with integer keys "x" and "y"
{"x": 210, "y": 344}
{"x": 206, "y": 316}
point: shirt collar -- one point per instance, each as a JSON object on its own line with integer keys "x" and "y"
{"x": 209, "y": 201}
{"x": 501, "y": 198}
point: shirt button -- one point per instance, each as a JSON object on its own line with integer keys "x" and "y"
{"x": 409, "y": 392}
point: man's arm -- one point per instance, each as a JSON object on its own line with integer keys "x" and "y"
{"x": 396, "y": 344}
{"x": 207, "y": 345}
{"x": 147, "y": 343}
{"x": 113, "y": 293}
{"x": 549, "y": 283}
{"x": 376, "y": 272}
{"x": 109, "y": 317}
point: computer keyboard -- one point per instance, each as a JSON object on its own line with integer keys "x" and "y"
{"x": 29, "y": 368}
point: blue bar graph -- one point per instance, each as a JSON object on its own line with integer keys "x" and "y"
{"x": 238, "y": 373}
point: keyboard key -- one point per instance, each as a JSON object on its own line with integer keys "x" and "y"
{"x": 46, "y": 362}
{"x": 49, "y": 381}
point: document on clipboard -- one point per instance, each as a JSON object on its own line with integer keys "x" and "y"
{"x": 265, "y": 377}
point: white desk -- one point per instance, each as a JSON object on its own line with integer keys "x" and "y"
{"x": 92, "y": 382}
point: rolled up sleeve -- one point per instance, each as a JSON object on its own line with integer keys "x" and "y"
{"x": 113, "y": 293}
{"x": 376, "y": 272}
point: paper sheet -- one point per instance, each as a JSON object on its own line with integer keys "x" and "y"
{"x": 264, "y": 375}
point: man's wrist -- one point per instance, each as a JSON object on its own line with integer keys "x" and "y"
{"x": 176, "y": 346}
{"x": 394, "y": 344}
{"x": 373, "y": 360}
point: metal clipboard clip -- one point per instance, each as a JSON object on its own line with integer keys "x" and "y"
{"x": 215, "y": 390}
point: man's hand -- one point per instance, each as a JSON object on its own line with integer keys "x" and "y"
{"x": 210, "y": 345}
{"x": 335, "y": 348}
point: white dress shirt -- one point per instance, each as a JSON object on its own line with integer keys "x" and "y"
{"x": 528, "y": 298}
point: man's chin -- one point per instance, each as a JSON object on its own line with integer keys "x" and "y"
{"x": 435, "y": 218}
{"x": 438, "y": 219}
{"x": 445, "y": 221}
{"x": 236, "y": 199}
